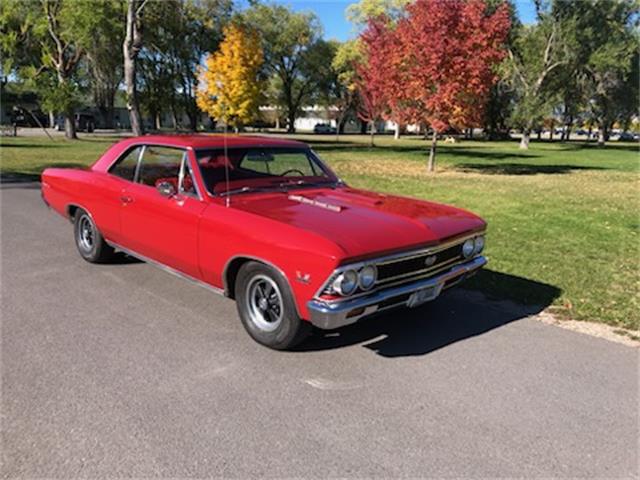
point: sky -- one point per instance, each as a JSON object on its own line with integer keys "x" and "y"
{"x": 333, "y": 18}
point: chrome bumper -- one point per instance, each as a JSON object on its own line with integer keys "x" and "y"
{"x": 329, "y": 315}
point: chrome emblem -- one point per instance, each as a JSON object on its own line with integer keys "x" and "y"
{"x": 304, "y": 278}
{"x": 430, "y": 260}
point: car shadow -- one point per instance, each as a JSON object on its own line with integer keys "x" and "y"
{"x": 457, "y": 315}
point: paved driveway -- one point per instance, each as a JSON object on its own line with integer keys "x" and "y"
{"x": 124, "y": 370}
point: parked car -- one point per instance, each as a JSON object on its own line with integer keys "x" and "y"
{"x": 627, "y": 137}
{"x": 84, "y": 122}
{"x": 264, "y": 221}
{"x": 324, "y": 128}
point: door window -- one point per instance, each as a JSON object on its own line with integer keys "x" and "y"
{"x": 126, "y": 166}
{"x": 160, "y": 164}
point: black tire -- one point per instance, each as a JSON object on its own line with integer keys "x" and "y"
{"x": 89, "y": 241}
{"x": 277, "y": 328}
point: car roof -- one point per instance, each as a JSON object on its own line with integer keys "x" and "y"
{"x": 203, "y": 141}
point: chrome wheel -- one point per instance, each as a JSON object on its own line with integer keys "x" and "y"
{"x": 86, "y": 234}
{"x": 264, "y": 303}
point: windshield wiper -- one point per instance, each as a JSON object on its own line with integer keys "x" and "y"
{"x": 243, "y": 190}
{"x": 304, "y": 183}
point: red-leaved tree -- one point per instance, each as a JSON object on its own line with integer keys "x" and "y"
{"x": 446, "y": 54}
{"x": 373, "y": 71}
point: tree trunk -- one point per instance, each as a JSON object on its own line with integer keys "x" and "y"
{"x": 602, "y": 136}
{"x": 431, "y": 166}
{"x": 130, "y": 48}
{"x": 52, "y": 119}
{"x": 291, "y": 121}
{"x": 372, "y": 126}
{"x": 551, "y": 134}
{"x": 567, "y": 133}
{"x": 158, "y": 120}
{"x": 396, "y": 134}
{"x": 70, "y": 126}
{"x": 174, "y": 118}
{"x": 524, "y": 141}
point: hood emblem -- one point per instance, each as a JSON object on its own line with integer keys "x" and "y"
{"x": 315, "y": 203}
{"x": 430, "y": 260}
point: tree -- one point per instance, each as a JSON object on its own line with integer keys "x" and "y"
{"x": 449, "y": 81}
{"x": 343, "y": 65}
{"x": 104, "y": 62}
{"x": 178, "y": 34}
{"x": 375, "y": 72}
{"x": 131, "y": 48}
{"x": 53, "y": 36}
{"x": 293, "y": 50}
{"x": 231, "y": 80}
{"x": 361, "y": 12}
{"x": 537, "y": 52}
{"x": 389, "y": 12}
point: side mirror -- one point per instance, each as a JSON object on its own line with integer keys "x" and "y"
{"x": 166, "y": 189}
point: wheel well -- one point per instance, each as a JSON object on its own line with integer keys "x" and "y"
{"x": 71, "y": 211}
{"x": 231, "y": 273}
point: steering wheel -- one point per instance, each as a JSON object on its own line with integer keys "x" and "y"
{"x": 292, "y": 170}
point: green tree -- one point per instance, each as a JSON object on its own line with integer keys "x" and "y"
{"x": 293, "y": 52}
{"x": 131, "y": 47}
{"x": 603, "y": 57}
{"x": 344, "y": 92}
{"x": 536, "y": 53}
{"x": 59, "y": 31}
{"x": 177, "y": 35}
{"x": 104, "y": 62}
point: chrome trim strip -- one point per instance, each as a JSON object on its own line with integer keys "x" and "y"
{"x": 166, "y": 268}
{"x": 397, "y": 256}
{"x": 333, "y": 315}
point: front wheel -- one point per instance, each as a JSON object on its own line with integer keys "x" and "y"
{"x": 266, "y": 307}
{"x": 89, "y": 241}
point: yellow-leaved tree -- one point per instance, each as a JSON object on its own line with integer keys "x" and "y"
{"x": 230, "y": 85}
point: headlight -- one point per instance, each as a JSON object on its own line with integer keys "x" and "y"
{"x": 367, "y": 277}
{"x": 468, "y": 248}
{"x": 346, "y": 283}
{"x": 478, "y": 244}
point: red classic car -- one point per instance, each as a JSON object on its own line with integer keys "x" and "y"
{"x": 265, "y": 222}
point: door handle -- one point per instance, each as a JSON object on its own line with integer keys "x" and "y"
{"x": 126, "y": 199}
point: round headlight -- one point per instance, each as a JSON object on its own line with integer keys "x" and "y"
{"x": 478, "y": 244}
{"x": 468, "y": 248}
{"x": 367, "y": 277}
{"x": 346, "y": 283}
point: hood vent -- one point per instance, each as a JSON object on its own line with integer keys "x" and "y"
{"x": 315, "y": 203}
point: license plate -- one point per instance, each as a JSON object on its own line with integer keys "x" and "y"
{"x": 423, "y": 296}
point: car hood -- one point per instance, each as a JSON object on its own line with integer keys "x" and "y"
{"x": 362, "y": 223}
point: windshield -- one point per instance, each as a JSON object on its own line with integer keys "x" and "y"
{"x": 261, "y": 168}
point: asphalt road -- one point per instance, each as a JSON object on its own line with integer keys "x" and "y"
{"x": 126, "y": 371}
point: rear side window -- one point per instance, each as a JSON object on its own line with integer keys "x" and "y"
{"x": 160, "y": 164}
{"x": 125, "y": 167}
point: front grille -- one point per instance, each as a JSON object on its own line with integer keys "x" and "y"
{"x": 414, "y": 265}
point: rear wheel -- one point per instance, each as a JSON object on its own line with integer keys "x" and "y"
{"x": 89, "y": 241}
{"x": 266, "y": 307}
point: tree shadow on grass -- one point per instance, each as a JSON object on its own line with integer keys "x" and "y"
{"x": 48, "y": 145}
{"x": 10, "y": 176}
{"x": 520, "y": 168}
{"x": 457, "y": 315}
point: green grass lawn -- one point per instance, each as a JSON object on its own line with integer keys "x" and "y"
{"x": 564, "y": 220}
